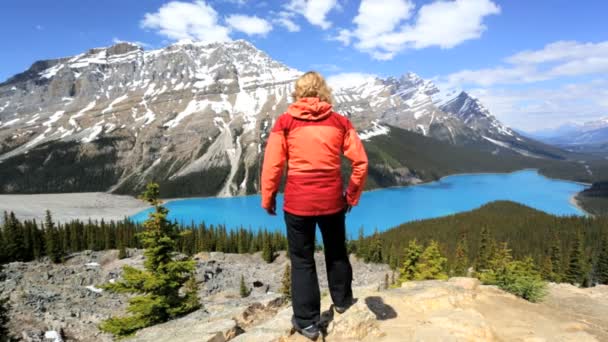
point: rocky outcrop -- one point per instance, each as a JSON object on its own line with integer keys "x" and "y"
{"x": 64, "y": 300}
{"x": 67, "y": 298}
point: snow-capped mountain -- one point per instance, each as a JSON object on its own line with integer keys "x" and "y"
{"x": 588, "y": 133}
{"x": 194, "y": 117}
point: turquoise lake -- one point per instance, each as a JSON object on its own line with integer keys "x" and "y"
{"x": 387, "y": 208}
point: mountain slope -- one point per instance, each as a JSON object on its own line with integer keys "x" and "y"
{"x": 194, "y": 117}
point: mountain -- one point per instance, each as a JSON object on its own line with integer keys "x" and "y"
{"x": 574, "y": 135}
{"x": 195, "y": 116}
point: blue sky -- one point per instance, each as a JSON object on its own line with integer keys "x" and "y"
{"x": 535, "y": 64}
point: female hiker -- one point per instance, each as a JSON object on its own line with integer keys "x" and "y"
{"x": 310, "y": 139}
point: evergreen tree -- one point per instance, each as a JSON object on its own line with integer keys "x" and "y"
{"x": 546, "y": 269}
{"x": 412, "y": 255}
{"x": 576, "y": 267}
{"x": 497, "y": 265}
{"x": 393, "y": 280}
{"x": 602, "y": 263}
{"x": 286, "y": 282}
{"x": 14, "y": 243}
{"x": 484, "y": 250}
{"x": 158, "y": 284}
{"x": 431, "y": 264}
{"x": 268, "y": 252}
{"x": 122, "y": 251}
{"x": 243, "y": 290}
{"x": 52, "y": 239}
{"x": 461, "y": 262}
{"x": 37, "y": 241}
{"x": 556, "y": 260}
{"x": 374, "y": 253}
{"x": 191, "y": 298}
{"x": 386, "y": 283}
{"x": 361, "y": 245}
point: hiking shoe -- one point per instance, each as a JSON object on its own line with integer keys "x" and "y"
{"x": 342, "y": 308}
{"x": 312, "y": 331}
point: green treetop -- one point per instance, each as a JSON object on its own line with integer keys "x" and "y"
{"x": 158, "y": 285}
{"x": 431, "y": 264}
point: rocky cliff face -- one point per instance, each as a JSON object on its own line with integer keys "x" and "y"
{"x": 193, "y": 117}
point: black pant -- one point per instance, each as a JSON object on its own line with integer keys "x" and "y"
{"x": 304, "y": 283}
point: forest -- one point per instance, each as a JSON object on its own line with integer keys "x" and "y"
{"x": 570, "y": 249}
{"x": 563, "y": 249}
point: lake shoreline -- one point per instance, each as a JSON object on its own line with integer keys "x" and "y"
{"x": 98, "y": 205}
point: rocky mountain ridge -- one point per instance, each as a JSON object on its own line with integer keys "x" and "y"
{"x": 195, "y": 117}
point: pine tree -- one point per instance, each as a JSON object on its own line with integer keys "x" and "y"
{"x": 191, "y": 293}
{"x": 576, "y": 267}
{"x": 461, "y": 263}
{"x": 602, "y": 263}
{"x": 361, "y": 245}
{"x": 546, "y": 269}
{"x": 412, "y": 254}
{"x": 37, "y": 241}
{"x": 286, "y": 282}
{"x": 14, "y": 239}
{"x": 243, "y": 290}
{"x": 268, "y": 250}
{"x": 122, "y": 251}
{"x": 484, "y": 250}
{"x": 556, "y": 260}
{"x": 431, "y": 264}
{"x": 158, "y": 284}
{"x": 374, "y": 253}
{"x": 51, "y": 239}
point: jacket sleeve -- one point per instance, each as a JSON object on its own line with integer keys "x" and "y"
{"x": 354, "y": 151}
{"x": 275, "y": 157}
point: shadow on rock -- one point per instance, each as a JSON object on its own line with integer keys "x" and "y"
{"x": 380, "y": 309}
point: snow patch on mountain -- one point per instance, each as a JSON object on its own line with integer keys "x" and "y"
{"x": 375, "y": 131}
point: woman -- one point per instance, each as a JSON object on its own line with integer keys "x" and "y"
{"x": 310, "y": 138}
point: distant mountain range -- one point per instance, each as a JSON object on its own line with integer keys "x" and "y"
{"x": 194, "y": 117}
{"x": 571, "y": 135}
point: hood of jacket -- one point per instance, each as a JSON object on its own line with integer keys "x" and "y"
{"x": 310, "y": 108}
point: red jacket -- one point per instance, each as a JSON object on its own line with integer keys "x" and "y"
{"x": 310, "y": 138}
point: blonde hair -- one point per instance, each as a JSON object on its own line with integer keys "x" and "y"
{"x": 312, "y": 84}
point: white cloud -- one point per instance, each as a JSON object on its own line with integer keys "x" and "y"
{"x": 250, "y": 25}
{"x": 185, "y": 20}
{"x": 349, "y": 79}
{"x": 537, "y": 108}
{"x": 382, "y": 28}
{"x": 555, "y": 60}
{"x": 560, "y": 51}
{"x": 315, "y": 11}
{"x": 285, "y": 19}
{"x": 39, "y": 27}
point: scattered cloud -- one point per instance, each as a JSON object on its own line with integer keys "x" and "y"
{"x": 285, "y": 19}
{"x": 555, "y": 60}
{"x": 315, "y": 11}
{"x": 250, "y": 25}
{"x": 187, "y": 20}
{"x": 39, "y": 27}
{"x": 530, "y": 108}
{"x": 383, "y": 28}
{"x": 348, "y": 79}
